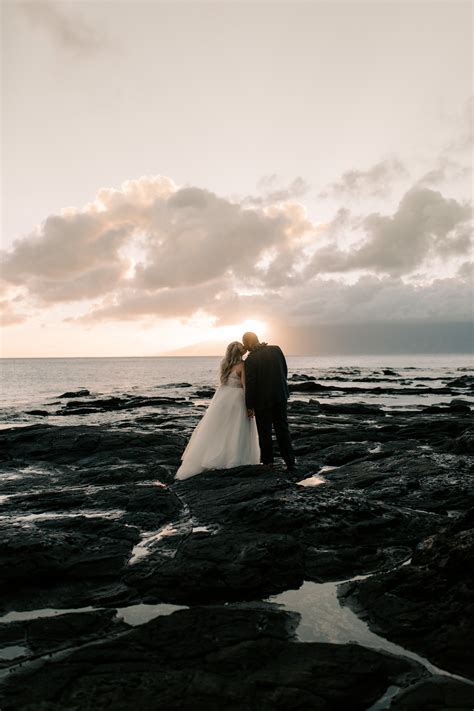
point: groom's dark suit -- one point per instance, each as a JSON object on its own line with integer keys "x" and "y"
{"x": 267, "y": 392}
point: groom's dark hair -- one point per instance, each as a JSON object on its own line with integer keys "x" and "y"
{"x": 250, "y": 339}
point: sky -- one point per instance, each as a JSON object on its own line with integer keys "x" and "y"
{"x": 174, "y": 173}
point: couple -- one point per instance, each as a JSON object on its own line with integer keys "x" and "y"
{"x": 236, "y": 428}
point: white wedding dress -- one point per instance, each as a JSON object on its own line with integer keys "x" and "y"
{"x": 225, "y": 437}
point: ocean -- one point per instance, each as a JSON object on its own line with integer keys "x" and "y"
{"x": 32, "y": 383}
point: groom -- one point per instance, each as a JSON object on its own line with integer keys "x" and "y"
{"x": 266, "y": 393}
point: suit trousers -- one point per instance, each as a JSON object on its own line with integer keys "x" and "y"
{"x": 266, "y": 418}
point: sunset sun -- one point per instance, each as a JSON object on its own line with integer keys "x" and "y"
{"x": 254, "y": 325}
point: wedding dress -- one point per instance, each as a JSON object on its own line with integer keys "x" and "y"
{"x": 225, "y": 437}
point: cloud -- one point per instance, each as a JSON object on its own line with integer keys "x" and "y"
{"x": 9, "y": 299}
{"x": 425, "y": 225}
{"x": 149, "y": 236}
{"x": 196, "y": 236}
{"x": 72, "y": 256}
{"x": 454, "y": 163}
{"x": 369, "y": 299}
{"x": 446, "y": 170}
{"x": 273, "y": 192}
{"x": 69, "y": 31}
{"x": 374, "y": 182}
{"x": 179, "y": 302}
{"x": 464, "y": 138}
{"x": 152, "y": 249}
{"x": 8, "y": 316}
{"x": 466, "y": 272}
{"x": 388, "y": 299}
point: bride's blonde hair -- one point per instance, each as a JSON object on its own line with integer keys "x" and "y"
{"x": 233, "y": 356}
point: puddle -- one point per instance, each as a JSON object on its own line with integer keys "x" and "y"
{"x": 327, "y": 468}
{"x": 135, "y": 615}
{"x": 323, "y": 619}
{"x": 385, "y": 701}
{"x": 314, "y": 480}
{"x": 15, "y": 616}
{"x": 317, "y": 479}
{"x": 13, "y": 652}
{"x": 142, "y": 549}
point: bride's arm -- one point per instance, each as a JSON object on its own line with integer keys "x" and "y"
{"x": 242, "y": 376}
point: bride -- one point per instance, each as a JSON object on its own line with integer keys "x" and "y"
{"x": 225, "y": 437}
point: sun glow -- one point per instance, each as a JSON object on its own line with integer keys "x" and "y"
{"x": 259, "y": 327}
{"x": 235, "y": 331}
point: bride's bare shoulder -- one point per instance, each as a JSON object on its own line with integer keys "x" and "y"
{"x": 238, "y": 368}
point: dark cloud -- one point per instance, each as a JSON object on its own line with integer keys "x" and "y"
{"x": 195, "y": 236}
{"x": 376, "y": 181}
{"x": 70, "y": 257}
{"x": 387, "y": 299}
{"x": 376, "y": 337}
{"x": 466, "y": 271}
{"x": 369, "y": 299}
{"x": 425, "y": 225}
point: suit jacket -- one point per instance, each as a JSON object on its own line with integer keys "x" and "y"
{"x": 265, "y": 377}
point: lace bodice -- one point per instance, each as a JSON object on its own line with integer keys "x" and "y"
{"x": 233, "y": 381}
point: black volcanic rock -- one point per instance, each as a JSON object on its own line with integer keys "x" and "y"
{"x": 247, "y": 501}
{"x": 459, "y": 405}
{"x": 313, "y": 387}
{"x": 309, "y": 386}
{"x": 340, "y": 454}
{"x": 204, "y": 392}
{"x": 465, "y": 381}
{"x": 215, "y": 567}
{"x": 439, "y": 693}
{"x": 146, "y": 506}
{"x": 83, "y": 407}
{"x": 41, "y": 635}
{"x": 75, "y": 393}
{"x": 206, "y": 659}
{"x": 427, "y": 605}
{"x": 417, "y": 479}
{"x": 465, "y": 443}
{"x": 302, "y": 376}
{"x": 87, "y": 444}
{"x": 352, "y": 408}
{"x": 176, "y": 385}
{"x": 86, "y": 521}
{"x": 64, "y": 548}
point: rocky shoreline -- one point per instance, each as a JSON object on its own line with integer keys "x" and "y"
{"x": 94, "y": 528}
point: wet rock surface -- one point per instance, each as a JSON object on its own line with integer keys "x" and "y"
{"x": 210, "y": 658}
{"x": 428, "y": 604}
{"x": 92, "y": 519}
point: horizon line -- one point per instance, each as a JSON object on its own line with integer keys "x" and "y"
{"x": 219, "y": 355}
